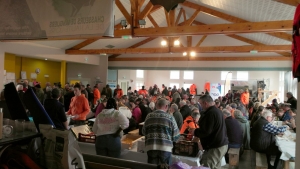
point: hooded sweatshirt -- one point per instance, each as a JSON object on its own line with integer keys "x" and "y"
{"x": 109, "y": 121}
{"x": 188, "y": 123}
{"x": 246, "y": 130}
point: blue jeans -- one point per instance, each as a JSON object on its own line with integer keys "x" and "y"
{"x": 159, "y": 157}
{"x": 108, "y": 145}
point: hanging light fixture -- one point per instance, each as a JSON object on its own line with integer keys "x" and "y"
{"x": 176, "y": 43}
{"x": 163, "y": 43}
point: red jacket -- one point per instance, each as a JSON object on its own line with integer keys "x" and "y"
{"x": 188, "y": 123}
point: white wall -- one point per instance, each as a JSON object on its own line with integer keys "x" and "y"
{"x": 160, "y": 77}
{"x": 130, "y": 75}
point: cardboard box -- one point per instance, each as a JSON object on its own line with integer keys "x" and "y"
{"x": 141, "y": 145}
{"x": 129, "y": 141}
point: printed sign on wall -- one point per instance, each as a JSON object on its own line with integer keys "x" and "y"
{"x": 32, "y": 19}
{"x": 215, "y": 90}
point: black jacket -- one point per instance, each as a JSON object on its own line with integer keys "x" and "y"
{"x": 56, "y": 112}
{"x": 261, "y": 140}
{"x": 212, "y": 129}
{"x": 293, "y": 102}
{"x": 234, "y": 131}
{"x": 185, "y": 111}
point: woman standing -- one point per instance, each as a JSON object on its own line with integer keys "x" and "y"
{"x": 107, "y": 127}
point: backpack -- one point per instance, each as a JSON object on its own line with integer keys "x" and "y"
{"x": 296, "y": 44}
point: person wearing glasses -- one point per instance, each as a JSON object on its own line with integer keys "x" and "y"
{"x": 262, "y": 138}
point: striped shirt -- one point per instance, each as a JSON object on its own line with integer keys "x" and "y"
{"x": 160, "y": 130}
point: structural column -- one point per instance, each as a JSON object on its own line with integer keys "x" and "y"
{"x": 2, "y": 54}
{"x": 63, "y": 72}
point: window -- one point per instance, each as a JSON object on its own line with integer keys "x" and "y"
{"x": 188, "y": 75}
{"x": 139, "y": 85}
{"x": 185, "y": 86}
{"x": 140, "y": 73}
{"x": 225, "y": 74}
{"x": 174, "y": 74}
{"x": 174, "y": 84}
{"x": 242, "y": 76}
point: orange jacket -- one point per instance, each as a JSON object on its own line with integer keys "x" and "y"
{"x": 118, "y": 93}
{"x": 245, "y": 98}
{"x": 79, "y": 106}
{"x": 142, "y": 92}
{"x": 193, "y": 89}
{"x": 188, "y": 123}
{"x": 97, "y": 95}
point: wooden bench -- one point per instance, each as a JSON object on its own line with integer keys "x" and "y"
{"x": 261, "y": 161}
{"x": 234, "y": 154}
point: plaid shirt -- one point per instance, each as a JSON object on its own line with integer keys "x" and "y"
{"x": 269, "y": 127}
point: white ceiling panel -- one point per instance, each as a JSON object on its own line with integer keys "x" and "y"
{"x": 60, "y": 44}
{"x": 265, "y": 39}
{"x": 252, "y": 10}
{"x": 117, "y": 42}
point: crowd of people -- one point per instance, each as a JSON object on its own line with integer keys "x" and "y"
{"x": 231, "y": 121}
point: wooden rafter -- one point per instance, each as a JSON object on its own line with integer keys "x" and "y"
{"x": 289, "y": 2}
{"x": 184, "y": 15}
{"x": 172, "y": 17}
{"x": 248, "y": 27}
{"x": 135, "y": 46}
{"x": 153, "y": 21}
{"x": 192, "y": 18}
{"x": 84, "y": 43}
{"x": 208, "y": 49}
{"x": 240, "y": 38}
{"x": 123, "y": 10}
{"x": 241, "y": 58}
{"x": 282, "y": 35}
{"x": 167, "y": 18}
{"x": 179, "y": 16}
{"x": 252, "y": 42}
{"x": 189, "y": 41}
{"x": 146, "y": 10}
{"x": 201, "y": 41}
{"x": 222, "y": 15}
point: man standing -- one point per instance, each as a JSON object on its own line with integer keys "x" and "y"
{"x": 292, "y": 100}
{"x": 79, "y": 107}
{"x": 83, "y": 91}
{"x": 96, "y": 93}
{"x": 212, "y": 133}
{"x": 160, "y": 130}
{"x": 245, "y": 98}
{"x": 118, "y": 92}
{"x": 56, "y": 110}
{"x": 176, "y": 114}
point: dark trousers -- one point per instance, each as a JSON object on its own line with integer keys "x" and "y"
{"x": 108, "y": 145}
{"x": 159, "y": 157}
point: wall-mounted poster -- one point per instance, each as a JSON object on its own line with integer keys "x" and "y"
{"x": 215, "y": 90}
{"x": 32, "y": 19}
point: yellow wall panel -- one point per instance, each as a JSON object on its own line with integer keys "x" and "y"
{"x": 16, "y": 64}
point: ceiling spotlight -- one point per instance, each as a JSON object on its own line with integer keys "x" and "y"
{"x": 193, "y": 54}
{"x": 176, "y": 43}
{"x": 163, "y": 43}
{"x": 46, "y": 59}
{"x": 184, "y": 53}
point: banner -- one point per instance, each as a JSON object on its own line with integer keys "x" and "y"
{"x": 215, "y": 90}
{"x": 40, "y": 19}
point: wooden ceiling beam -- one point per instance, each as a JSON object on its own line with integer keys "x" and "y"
{"x": 172, "y": 17}
{"x": 289, "y": 2}
{"x": 189, "y": 41}
{"x": 155, "y": 8}
{"x": 123, "y": 11}
{"x": 184, "y": 15}
{"x": 179, "y": 16}
{"x": 241, "y": 58}
{"x": 201, "y": 41}
{"x": 192, "y": 18}
{"x": 225, "y": 16}
{"x": 167, "y": 18}
{"x": 243, "y": 39}
{"x": 154, "y": 23}
{"x": 146, "y": 10}
{"x": 282, "y": 35}
{"x": 84, "y": 43}
{"x": 249, "y": 27}
{"x": 135, "y": 46}
{"x": 207, "y": 49}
